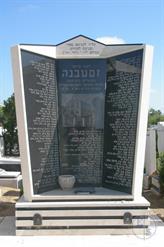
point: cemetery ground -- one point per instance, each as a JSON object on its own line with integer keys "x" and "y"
{"x": 156, "y": 203}
{"x": 9, "y": 196}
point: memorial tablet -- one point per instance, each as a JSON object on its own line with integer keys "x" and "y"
{"x": 81, "y": 102}
{"x": 40, "y": 89}
{"x": 98, "y": 150}
{"x": 80, "y": 115}
{"x": 82, "y": 110}
{"x": 120, "y": 123}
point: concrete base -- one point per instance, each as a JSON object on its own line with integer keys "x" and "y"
{"x": 82, "y": 218}
{"x": 100, "y": 193}
{"x": 10, "y": 164}
{"x": 11, "y": 179}
{"x": 146, "y": 182}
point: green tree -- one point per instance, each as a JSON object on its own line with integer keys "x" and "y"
{"x": 10, "y": 133}
{"x": 1, "y": 113}
{"x": 160, "y": 162}
{"x": 155, "y": 116}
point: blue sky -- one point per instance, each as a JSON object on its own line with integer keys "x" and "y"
{"x": 53, "y": 21}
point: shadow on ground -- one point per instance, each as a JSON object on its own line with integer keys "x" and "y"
{"x": 156, "y": 203}
{"x": 12, "y": 193}
{"x": 7, "y": 209}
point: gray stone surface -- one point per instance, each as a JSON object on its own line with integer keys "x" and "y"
{"x": 8, "y": 180}
{"x": 7, "y": 226}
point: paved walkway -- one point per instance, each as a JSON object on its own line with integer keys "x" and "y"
{"x": 8, "y": 238}
{"x": 7, "y": 226}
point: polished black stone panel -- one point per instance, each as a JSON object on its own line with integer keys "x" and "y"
{"x": 120, "y": 123}
{"x": 82, "y": 119}
{"x": 81, "y": 88}
{"x": 41, "y": 102}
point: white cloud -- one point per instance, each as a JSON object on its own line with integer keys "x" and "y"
{"x": 109, "y": 40}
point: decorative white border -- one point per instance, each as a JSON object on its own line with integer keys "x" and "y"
{"x": 142, "y": 121}
{"x": 109, "y": 51}
{"x": 22, "y": 123}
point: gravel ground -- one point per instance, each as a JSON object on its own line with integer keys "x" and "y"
{"x": 8, "y": 198}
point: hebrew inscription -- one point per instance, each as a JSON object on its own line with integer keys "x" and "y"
{"x": 82, "y": 119}
{"x": 40, "y": 88}
{"x": 81, "y": 104}
{"x": 121, "y": 111}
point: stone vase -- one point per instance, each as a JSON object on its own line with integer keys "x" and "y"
{"x": 66, "y": 182}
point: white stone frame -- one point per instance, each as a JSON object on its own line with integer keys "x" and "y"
{"x": 106, "y": 52}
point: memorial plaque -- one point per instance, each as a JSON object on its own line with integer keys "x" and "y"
{"x": 82, "y": 108}
{"x": 40, "y": 89}
{"x": 81, "y": 88}
{"x": 120, "y": 123}
{"x": 97, "y": 150}
{"x": 79, "y": 47}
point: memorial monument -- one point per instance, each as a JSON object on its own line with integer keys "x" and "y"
{"x": 82, "y": 110}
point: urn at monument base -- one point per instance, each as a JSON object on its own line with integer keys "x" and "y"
{"x": 66, "y": 182}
